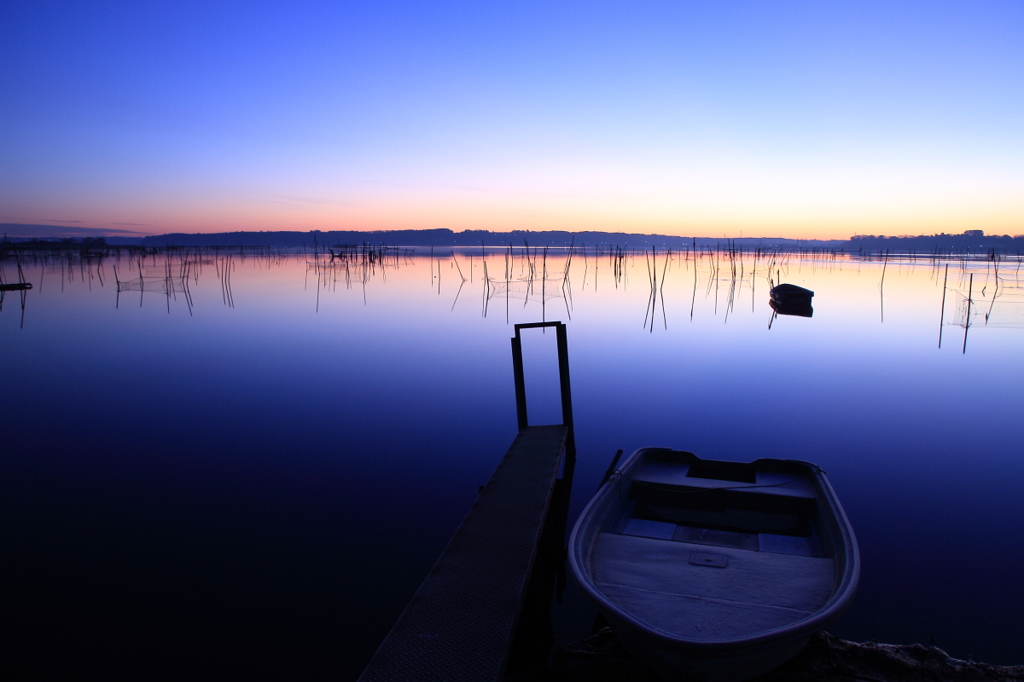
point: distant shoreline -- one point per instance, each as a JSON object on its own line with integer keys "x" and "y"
{"x": 972, "y": 241}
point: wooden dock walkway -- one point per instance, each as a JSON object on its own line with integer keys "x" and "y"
{"x": 462, "y": 620}
{"x": 460, "y": 624}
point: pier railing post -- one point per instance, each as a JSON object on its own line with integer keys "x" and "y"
{"x": 563, "y": 382}
{"x": 517, "y": 370}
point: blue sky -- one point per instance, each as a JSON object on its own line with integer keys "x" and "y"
{"x": 792, "y": 119}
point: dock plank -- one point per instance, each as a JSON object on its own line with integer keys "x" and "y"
{"x": 460, "y": 623}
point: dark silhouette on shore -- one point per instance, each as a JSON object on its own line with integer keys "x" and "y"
{"x": 970, "y": 242}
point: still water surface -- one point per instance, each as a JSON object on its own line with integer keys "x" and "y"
{"x": 252, "y": 473}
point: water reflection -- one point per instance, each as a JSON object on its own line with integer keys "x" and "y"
{"x": 169, "y": 283}
{"x": 305, "y": 439}
{"x": 533, "y": 281}
{"x": 997, "y": 304}
{"x": 352, "y": 264}
{"x": 983, "y": 292}
{"x": 22, "y": 286}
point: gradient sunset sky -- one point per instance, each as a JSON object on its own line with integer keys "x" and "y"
{"x": 793, "y": 119}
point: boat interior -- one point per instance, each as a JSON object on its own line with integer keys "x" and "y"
{"x": 715, "y": 550}
{"x": 767, "y": 506}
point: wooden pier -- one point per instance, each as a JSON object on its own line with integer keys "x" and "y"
{"x": 462, "y": 621}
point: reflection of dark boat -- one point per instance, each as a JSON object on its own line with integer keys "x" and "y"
{"x": 792, "y": 307}
{"x": 16, "y": 286}
{"x": 715, "y": 570}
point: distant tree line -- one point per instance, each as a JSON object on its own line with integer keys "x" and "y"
{"x": 971, "y": 241}
{"x": 474, "y": 238}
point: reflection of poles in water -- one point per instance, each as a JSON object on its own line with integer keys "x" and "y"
{"x": 656, "y": 289}
{"x": 661, "y": 290}
{"x": 566, "y": 285}
{"x": 652, "y": 280}
{"x": 881, "y": 289}
{"x": 543, "y": 286}
{"x": 186, "y": 269}
{"x": 995, "y": 291}
{"x": 942, "y": 314}
{"x": 533, "y": 271}
{"x": 967, "y": 321}
{"x": 771, "y": 285}
{"x": 586, "y": 267}
{"x": 753, "y": 280}
{"x": 732, "y": 282}
{"x": 24, "y": 298}
{"x": 531, "y": 264}
{"x": 486, "y": 292}
{"x": 618, "y": 258}
{"x": 716, "y": 280}
{"x": 693, "y": 299}
{"x": 319, "y": 276}
{"x": 224, "y": 268}
{"x": 22, "y": 286}
{"x": 461, "y": 276}
{"x": 525, "y": 285}
{"x": 462, "y": 283}
{"x": 169, "y": 283}
{"x": 712, "y": 278}
{"x": 353, "y": 263}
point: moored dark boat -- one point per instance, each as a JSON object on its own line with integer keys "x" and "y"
{"x": 791, "y": 293}
{"x": 715, "y": 570}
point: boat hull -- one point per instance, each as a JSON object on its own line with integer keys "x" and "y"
{"x": 698, "y": 664}
{"x": 715, "y": 570}
{"x": 791, "y": 292}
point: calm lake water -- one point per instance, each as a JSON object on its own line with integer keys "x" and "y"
{"x": 252, "y": 474}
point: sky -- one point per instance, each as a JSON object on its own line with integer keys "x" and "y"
{"x": 789, "y": 119}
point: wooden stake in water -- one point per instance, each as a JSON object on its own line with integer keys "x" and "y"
{"x": 943, "y": 313}
{"x": 881, "y": 289}
{"x": 967, "y": 322}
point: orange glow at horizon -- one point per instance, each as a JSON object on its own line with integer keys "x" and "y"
{"x": 761, "y": 207}
{"x": 730, "y": 197}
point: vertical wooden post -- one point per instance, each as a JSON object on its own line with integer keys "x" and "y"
{"x": 520, "y": 379}
{"x": 967, "y": 321}
{"x": 566, "y": 391}
{"x": 942, "y": 315}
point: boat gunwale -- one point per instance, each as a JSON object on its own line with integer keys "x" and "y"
{"x": 837, "y": 603}
{"x": 790, "y": 291}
